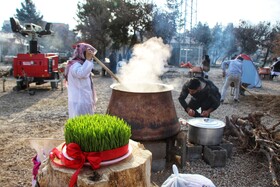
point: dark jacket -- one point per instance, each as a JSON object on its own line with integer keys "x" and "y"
{"x": 276, "y": 66}
{"x": 206, "y": 64}
{"x": 113, "y": 62}
{"x": 208, "y": 97}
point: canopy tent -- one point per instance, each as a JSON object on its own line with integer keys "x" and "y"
{"x": 250, "y": 73}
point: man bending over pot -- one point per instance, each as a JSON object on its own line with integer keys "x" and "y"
{"x": 204, "y": 94}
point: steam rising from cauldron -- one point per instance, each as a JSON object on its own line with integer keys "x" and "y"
{"x": 146, "y": 65}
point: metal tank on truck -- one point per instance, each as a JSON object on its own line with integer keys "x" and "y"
{"x": 34, "y": 67}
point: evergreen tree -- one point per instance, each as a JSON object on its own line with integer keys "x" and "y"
{"x": 202, "y": 35}
{"x": 216, "y": 47}
{"x": 93, "y": 24}
{"x": 6, "y": 28}
{"x": 165, "y": 22}
{"x": 223, "y": 44}
{"x": 107, "y": 23}
{"x": 230, "y": 42}
{"x": 28, "y": 13}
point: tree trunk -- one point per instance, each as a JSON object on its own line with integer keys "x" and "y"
{"x": 132, "y": 171}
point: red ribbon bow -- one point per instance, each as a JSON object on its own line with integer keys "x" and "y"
{"x": 74, "y": 151}
{"x": 79, "y": 158}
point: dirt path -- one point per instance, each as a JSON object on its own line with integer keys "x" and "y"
{"x": 43, "y": 115}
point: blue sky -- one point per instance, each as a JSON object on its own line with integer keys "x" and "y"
{"x": 210, "y": 11}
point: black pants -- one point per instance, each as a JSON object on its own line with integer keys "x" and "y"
{"x": 196, "y": 104}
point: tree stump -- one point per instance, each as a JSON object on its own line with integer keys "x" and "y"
{"x": 135, "y": 170}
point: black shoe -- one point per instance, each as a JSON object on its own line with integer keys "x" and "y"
{"x": 236, "y": 100}
{"x": 222, "y": 101}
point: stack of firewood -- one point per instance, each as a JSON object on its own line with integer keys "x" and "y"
{"x": 257, "y": 137}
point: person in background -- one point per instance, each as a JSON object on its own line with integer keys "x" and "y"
{"x": 204, "y": 94}
{"x": 113, "y": 61}
{"x": 120, "y": 58}
{"x": 233, "y": 74}
{"x": 81, "y": 93}
{"x": 206, "y": 66}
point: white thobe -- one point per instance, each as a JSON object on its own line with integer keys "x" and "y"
{"x": 81, "y": 96}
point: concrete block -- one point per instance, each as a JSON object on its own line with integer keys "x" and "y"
{"x": 193, "y": 152}
{"x": 215, "y": 156}
{"x": 157, "y": 148}
{"x": 176, "y": 147}
{"x": 158, "y": 165}
{"x": 228, "y": 147}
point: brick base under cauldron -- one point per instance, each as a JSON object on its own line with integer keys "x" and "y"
{"x": 178, "y": 146}
{"x": 158, "y": 150}
{"x": 215, "y": 156}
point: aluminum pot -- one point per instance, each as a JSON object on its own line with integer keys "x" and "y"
{"x": 149, "y": 111}
{"x": 205, "y": 131}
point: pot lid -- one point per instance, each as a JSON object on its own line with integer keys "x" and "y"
{"x": 206, "y": 123}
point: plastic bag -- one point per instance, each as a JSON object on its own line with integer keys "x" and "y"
{"x": 186, "y": 180}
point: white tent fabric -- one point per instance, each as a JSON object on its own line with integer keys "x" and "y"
{"x": 250, "y": 73}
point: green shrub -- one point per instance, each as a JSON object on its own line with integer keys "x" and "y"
{"x": 95, "y": 133}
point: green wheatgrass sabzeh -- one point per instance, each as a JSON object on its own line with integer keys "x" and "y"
{"x": 98, "y": 132}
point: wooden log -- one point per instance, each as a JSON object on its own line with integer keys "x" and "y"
{"x": 269, "y": 155}
{"x": 132, "y": 171}
{"x": 258, "y": 136}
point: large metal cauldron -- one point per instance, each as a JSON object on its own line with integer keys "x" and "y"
{"x": 205, "y": 131}
{"x": 150, "y": 113}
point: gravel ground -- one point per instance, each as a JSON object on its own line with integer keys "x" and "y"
{"x": 43, "y": 115}
{"x": 242, "y": 169}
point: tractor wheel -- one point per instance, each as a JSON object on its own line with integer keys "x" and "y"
{"x": 20, "y": 86}
{"x": 54, "y": 84}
